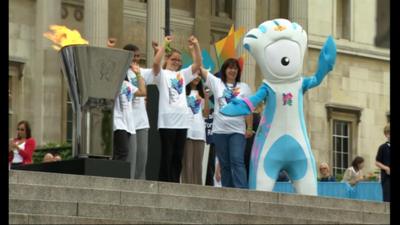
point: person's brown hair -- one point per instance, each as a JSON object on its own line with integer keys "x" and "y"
{"x": 27, "y": 128}
{"x": 356, "y": 162}
{"x": 386, "y": 130}
{"x": 168, "y": 55}
{"x": 228, "y": 63}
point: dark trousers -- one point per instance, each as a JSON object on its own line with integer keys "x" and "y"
{"x": 386, "y": 189}
{"x": 211, "y": 166}
{"x": 172, "y": 145}
{"x": 121, "y": 145}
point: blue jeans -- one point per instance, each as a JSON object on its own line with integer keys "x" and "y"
{"x": 230, "y": 152}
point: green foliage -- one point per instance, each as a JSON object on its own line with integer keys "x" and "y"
{"x": 373, "y": 176}
{"x": 339, "y": 177}
{"x": 64, "y": 150}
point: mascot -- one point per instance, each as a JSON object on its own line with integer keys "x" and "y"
{"x": 281, "y": 141}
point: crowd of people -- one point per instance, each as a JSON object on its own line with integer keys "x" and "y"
{"x": 184, "y": 98}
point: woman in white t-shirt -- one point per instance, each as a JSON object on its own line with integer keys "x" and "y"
{"x": 196, "y": 135}
{"x": 230, "y": 133}
{"x": 124, "y": 125}
{"x": 354, "y": 173}
{"x": 138, "y": 159}
{"x": 173, "y": 111}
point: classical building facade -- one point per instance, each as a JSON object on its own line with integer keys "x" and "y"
{"x": 345, "y": 115}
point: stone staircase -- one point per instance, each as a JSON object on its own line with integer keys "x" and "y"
{"x": 51, "y": 198}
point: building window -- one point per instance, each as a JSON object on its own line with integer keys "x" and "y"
{"x": 382, "y": 37}
{"x": 343, "y": 122}
{"x": 343, "y": 19}
{"x": 222, "y": 8}
{"x": 69, "y": 120}
{"x": 341, "y": 140}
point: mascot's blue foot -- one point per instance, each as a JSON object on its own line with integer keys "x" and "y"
{"x": 236, "y": 107}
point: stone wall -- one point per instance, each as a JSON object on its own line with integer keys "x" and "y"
{"x": 21, "y": 49}
{"x": 355, "y": 81}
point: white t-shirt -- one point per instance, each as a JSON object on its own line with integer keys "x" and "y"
{"x": 139, "y": 103}
{"x": 17, "y": 157}
{"x": 197, "y": 130}
{"x": 223, "y": 94}
{"x": 123, "y": 116}
{"x": 173, "y": 111}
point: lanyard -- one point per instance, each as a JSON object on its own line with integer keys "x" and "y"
{"x": 229, "y": 89}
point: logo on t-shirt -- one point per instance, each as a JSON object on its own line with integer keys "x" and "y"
{"x": 177, "y": 83}
{"x": 194, "y": 103}
{"x": 176, "y": 88}
{"x": 228, "y": 95}
{"x": 126, "y": 90}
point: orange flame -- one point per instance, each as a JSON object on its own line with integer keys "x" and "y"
{"x": 62, "y": 36}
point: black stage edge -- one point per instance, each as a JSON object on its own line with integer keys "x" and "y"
{"x": 83, "y": 166}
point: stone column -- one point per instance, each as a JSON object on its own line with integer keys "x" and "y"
{"x": 202, "y": 23}
{"x": 246, "y": 17}
{"x": 96, "y": 22}
{"x": 46, "y": 97}
{"x": 155, "y": 27}
{"x": 298, "y": 12}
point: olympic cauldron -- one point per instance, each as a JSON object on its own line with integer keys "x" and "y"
{"x": 94, "y": 76}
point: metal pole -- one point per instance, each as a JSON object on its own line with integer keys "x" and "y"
{"x": 167, "y": 10}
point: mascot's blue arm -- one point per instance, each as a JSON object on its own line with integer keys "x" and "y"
{"x": 245, "y": 106}
{"x": 326, "y": 61}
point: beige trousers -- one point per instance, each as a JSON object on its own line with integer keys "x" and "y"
{"x": 192, "y": 162}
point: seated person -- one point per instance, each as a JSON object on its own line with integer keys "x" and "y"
{"x": 21, "y": 148}
{"x": 283, "y": 176}
{"x": 354, "y": 174}
{"x": 325, "y": 172}
{"x": 49, "y": 157}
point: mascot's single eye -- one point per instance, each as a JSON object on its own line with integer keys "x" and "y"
{"x": 283, "y": 58}
{"x": 285, "y": 61}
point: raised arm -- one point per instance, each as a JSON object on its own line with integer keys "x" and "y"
{"x": 206, "y": 109}
{"x": 158, "y": 56}
{"x": 326, "y": 61}
{"x": 196, "y": 53}
{"x": 142, "y": 91}
{"x": 203, "y": 73}
{"x": 111, "y": 42}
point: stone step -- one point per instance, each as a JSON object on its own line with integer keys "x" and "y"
{"x": 74, "y": 194}
{"x": 24, "y": 218}
{"x": 105, "y": 183}
{"x": 141, "y": 213}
